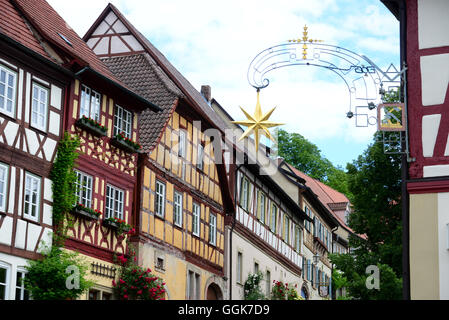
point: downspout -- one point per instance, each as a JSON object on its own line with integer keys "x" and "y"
{"x": 232, "y": 229}
{"x": 404, "y": 163}
{"x": 332, "y": 265}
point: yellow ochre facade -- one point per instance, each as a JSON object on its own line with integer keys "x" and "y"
{"x": 190, "y": 264}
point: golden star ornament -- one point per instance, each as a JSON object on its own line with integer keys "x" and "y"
{"x": 257, "y": 123}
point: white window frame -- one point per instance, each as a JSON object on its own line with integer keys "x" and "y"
{"x": 177, "y": 208}
{"x": 5, "y": 96}
{"x": 90, "y": 103}
{"x": 33, "y": 178}
{"x": 213, "y": 229}
{"x": 123, "y": 121}
{"x": 4, "y": 186}
{"x": 298, "y": 238}
{"x": 182, "y": 143}
{"x": 196, "y": 214}
{"x": 200, "y": 157}
{"x": 22, "y": 285}
{"x": 6, "y": 284}
{"x": 239, "y": 266}
{"x": 262, "y": 205}
{"x": 244, "y": 193}
{"x": 273, "y": 217}
{"x": 36, "y": 109}
{"x": 84, "y": 191}
{"x": 159, "y": 207}
{"x": 114, "y": 202}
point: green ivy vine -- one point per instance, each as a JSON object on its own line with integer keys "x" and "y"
{"x": 64, "y": 186}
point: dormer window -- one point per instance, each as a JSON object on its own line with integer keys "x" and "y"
{"x": 123, "y": 121}
{"x": 90, "y": 103}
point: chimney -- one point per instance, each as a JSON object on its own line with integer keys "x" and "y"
{"x": 206, "y": 93}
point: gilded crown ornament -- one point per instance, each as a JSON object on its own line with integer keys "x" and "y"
{"x": 305, "y": 39}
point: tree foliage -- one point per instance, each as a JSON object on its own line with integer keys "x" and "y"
{"x": 58, "y": 275}
{"x": 374, "y": 179}
{"x": 305, "y": 156}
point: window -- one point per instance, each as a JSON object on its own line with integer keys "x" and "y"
{"x": 21, "y": 293}
{"x": 4, "y": 283}
{"x": 84, "y": 189}
{"x": 286, "y": 229}
{"x": 39, "y": 107}
{"x": 268, "y": 288}
{"x": 200, "y": 158}
{"x": 160, "y": 264}
{"x": 298, "y": 236}
{"x": 212, "y": 229}
{"x": 96, "y": 294}
{"x": 194, "y": 286}
{"x": 160, "y": 199}
{"x": 90, "y": 103}
{"x": 114, "y": 202}
{"x": 182, "y": 143}
{"x": 122, "y": 121}
{"x": 256, "y": 267}
{"x": 274, "y": 212}
{"x": 3, "y": 186}
{"x": 309, "y": 214}
{"x": 196, "y": 220}
{"x": 32, "y": 196}
{"x": 8, "y": 80}
{"x": 244, "y": 193}
{"x": 178, "y": 209}
{"x": 239, "y": 267}
{"x": 261, "y": 206}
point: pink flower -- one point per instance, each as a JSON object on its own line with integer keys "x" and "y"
{"x": 139, "y": 292}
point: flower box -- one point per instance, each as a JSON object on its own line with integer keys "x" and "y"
{"x": 92, "y": 126}
{"x": 124, "y": 145}
{"x": 87, "y": 213}
{"x": 117, "y": 224}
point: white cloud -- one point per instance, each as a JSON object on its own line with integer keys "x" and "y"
{"x": 213, "y": 42}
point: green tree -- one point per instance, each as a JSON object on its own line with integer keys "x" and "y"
{"x": 374, "y": 179}
{"x": 58, "y": 275}
{"x": 305, "y": 156}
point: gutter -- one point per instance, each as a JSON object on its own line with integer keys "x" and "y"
{"x": 118, "y": 86}
{"x": 36, "y": 55}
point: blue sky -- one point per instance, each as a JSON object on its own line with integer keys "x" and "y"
{"x": 213, "y": 42}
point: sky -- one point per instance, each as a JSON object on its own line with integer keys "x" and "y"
{"x": 213, "y": 42}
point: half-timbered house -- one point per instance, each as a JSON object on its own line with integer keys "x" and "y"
{"x": 266, "y": 234}
{"x": 318, "y": 235}
{"x": 33, "y": 87}
{"x": 182, "y": 195}
{"x": 73, "y": 91}
{"x": 424, "y": 51}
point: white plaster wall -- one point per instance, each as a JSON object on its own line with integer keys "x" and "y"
{"x": 433, "y": 23}
{"x": 443, "y": 252}
{"x": 434, "y": 78}
{"x": 430, "y": 125}
{"x": 250, "y": 255}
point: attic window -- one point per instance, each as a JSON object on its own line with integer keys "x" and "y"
{"x": 65, "y": 39}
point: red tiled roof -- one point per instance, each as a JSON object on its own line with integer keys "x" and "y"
{"x": 49, "y": 23}
{"x": 13, "y": 25}
{"x": 140, "y": 72}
